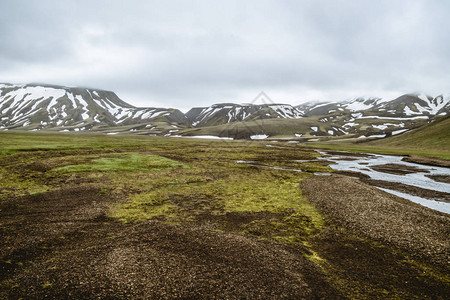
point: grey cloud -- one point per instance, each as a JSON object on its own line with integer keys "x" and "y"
{"x": 188, "y": 53}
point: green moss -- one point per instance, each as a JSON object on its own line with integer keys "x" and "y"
{"x": 193, "y": 182}
{"x": 12, "y": 184}
{"x": 47, "y": 285}
{"x": 135, "y": 211}
{"x": 124, "y": 162}
{"x": 264, "y": 193}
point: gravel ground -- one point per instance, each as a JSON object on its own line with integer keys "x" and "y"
{"x": 60, "y": 245}
{"x": 381, "y": 216}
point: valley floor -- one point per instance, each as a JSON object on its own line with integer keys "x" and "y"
{"x": 130, "y": 217}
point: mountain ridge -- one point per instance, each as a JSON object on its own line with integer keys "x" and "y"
{"x": 38, "y": 106}
{"x": 52, "y": 106}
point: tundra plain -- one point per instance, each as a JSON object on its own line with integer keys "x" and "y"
{"x": 96, "y": 216}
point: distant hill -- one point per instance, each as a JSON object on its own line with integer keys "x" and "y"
{"x": 364, "y": 118}
{"x": 435, "y": 135}
{"x": 228, "y": 113}
{"x": 35, "y": 107}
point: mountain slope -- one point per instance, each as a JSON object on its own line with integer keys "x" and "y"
{"x": 49, "y": 107}
{"x": 376, "y": 117}
{"x": 46, "y": 106}
{"x": 403, "y": 106}
{"x": 229, "y": 112}
{"x": 435, "y": 135}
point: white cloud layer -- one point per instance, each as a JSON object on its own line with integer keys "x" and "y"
{"x": 193, "y": 53}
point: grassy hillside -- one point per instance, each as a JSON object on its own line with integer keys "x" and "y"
{"x": 435, "y": 135}
{"x": 432, "y": 140}
{"x": 271, "y": 127}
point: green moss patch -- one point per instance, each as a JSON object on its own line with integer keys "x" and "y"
{"x": 124, "y": 162}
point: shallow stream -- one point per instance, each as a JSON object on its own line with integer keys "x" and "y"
{"x": 415, "y": 175}
{"x": 418, "y": 177}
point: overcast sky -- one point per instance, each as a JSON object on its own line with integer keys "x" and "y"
{"x": 195, "y": 53}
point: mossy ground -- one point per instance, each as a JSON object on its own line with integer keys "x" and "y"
{"x": 190, "y": 183}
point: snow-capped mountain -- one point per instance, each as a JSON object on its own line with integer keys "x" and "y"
{"x": 403, "y": 106}
{"x": 228, "y": 112}
{"x": 38, "y": 107}
{"x": 47, "y": 107}
{"x": 375, "y": 117}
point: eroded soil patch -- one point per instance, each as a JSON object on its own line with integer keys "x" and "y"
{"x": 440, "y": 178}
{"x": 397, "y": 169}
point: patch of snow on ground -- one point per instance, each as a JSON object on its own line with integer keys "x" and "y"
{"x": 112, "y": 133}
{"x": 399, "y": 131}
{"x": 211, "y": 137}
{"x": 420, "y": 108}
{"x": 381, "y": 127}
{"x": 394, "y": 118}
{"x": 314, "y": 128}
{"x": 298, "y": 134}
{"x": 286, "y": 111}
{"x": 358, "y": 105}
{"x": 259, "y": 136}
{"x": 330, "y": 132}
{"x": 350, "y": 124}
{"x": 409, "y": 112}
{"x": 357, "y": 115}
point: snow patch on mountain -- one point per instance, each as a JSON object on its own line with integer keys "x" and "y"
{"x": 31, "y": 105}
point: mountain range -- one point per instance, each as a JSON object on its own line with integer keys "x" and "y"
{"x": 36, "y": 107}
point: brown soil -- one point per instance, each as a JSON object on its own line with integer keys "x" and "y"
{"x": 397, "y": 169}
{"x": 60, "y": 244}
{"x": 440, "y": 178}
{"x": 427, "y": 161}
{"x": 380, "y": 216}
